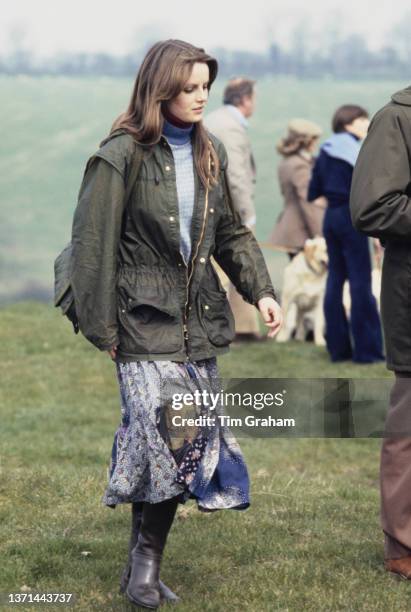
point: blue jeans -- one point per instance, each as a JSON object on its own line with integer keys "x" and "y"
{"x": 349, "y": 259}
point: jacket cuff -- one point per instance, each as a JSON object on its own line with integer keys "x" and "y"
{"x": 107, "y": 346}
{"x": 264, "y": 293}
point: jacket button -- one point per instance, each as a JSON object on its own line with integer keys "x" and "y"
{"x": 206, "y": 307}
{"x": 202, "y": 259}
{"x": 179, "y": 264}
{"x": 171, "y": 218}
{"x": 122, "y": 310}
{"x": 211, "y": 210}
{"x": 168, "y": 168}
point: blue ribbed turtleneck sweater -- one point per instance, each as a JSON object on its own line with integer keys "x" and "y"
{"x": 177, "y": 135}
{"x": 179, "y": 140}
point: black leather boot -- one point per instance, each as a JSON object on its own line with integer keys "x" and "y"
{"x": 143, "y": 586}
{"x": 166, "y": 594}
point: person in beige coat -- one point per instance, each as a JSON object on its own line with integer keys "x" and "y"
{"x": 299, "y": 220}
{"x": 229, "y": 123}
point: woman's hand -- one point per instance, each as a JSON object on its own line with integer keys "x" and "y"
{"x": 113, "y": 352}
{"x": 272, "y": 314}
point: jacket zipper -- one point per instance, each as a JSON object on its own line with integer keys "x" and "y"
{"x": 191, "y": 263}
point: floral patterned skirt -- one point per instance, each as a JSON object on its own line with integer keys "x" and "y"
{"x": 153, "y": 460}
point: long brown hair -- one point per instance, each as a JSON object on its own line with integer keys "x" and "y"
{"x": 162, "y": 75}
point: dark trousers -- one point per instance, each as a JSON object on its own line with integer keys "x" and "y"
{"x": 349, "y": 259}
{"x": 395, "y": 471}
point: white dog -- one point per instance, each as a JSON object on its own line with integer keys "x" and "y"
{"x": 305, "y": 278}
{"x": 303, "y": 293}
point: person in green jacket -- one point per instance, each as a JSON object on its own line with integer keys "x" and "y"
{"x": 381, "y": 207}
{"x": 145, "y": 291}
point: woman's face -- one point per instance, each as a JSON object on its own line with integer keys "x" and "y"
{"x": 312, "y": 145}
{"x": 358, "y": 127}
{"x": 189, "y": 105}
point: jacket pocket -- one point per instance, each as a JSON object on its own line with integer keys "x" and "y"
{"x": 216, "y": 316}
{"x": 150, "y": 321}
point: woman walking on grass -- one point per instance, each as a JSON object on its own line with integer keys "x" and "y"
{"x": 146, "y": 292}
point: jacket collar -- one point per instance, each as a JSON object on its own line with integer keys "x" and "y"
{"x": 403, "y": 96}
{"x": 342, "y": 145}
{"x": 305, "y": 155}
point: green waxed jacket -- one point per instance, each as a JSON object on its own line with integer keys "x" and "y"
{"x": 131, "y": 286}
{"x": 381, "y": 207}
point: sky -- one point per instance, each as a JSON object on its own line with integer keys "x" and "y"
{"x": 46, "y": 27}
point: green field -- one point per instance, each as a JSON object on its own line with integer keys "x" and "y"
{"x": 50, "y": 126}
{"x": 310, "y": 540}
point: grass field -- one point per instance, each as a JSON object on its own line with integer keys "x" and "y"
{"x": 50, "y": 126}
{"x": 310, "y": 540}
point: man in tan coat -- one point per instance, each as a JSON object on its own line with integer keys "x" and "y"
{"x": 229, "y": 123}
